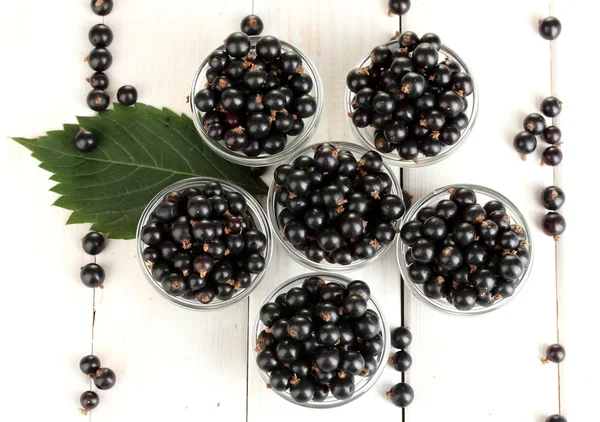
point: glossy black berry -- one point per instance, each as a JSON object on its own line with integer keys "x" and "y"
{"x": 534, "y": 123}
{"x": 302, "y": 392}
{"x": 98, "y": 80}
{"x": 554, "y": 224}
{"x": 401, "y": 338}
{"x": 401, "y": 395}
{"x": 555, "y": 353}
{"x": 399, "y": 7}
{"x": 525, "y": 143}
{"x": 89, "y": 364}
{"x": 401, "y": 360}
{"x": 127, "y": 95}
{"x": 556, "y": 418}
{"x": 553, "y": 198}
{"x": 413, "y": 84}
{"x": 252, "y": 25}
{"x": 98, "y": 100}
{"x": 105, "y": 379}
{"x": 100, "y": 35}
{"x": 99, "y": 59}
{"x": 552, "y": 135}
{"x": 92, "y": 275}
{"x": 549, "y": 28}
{"x": 551, "y": 106}
{"x": 268, "y": 48}
{"x": 101, "y": 7}
{"x": 552, "y": 156}
{"x": 267, "y": 360}
{"x": 93, "y": 243}
{"x": 88, "y": 400}
{"x": 85, "y": 141}
{"x": 465, "y": 298}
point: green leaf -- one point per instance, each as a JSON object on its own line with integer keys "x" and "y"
{"x": 141, "y": 150}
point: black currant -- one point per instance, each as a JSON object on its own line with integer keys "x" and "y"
{"x": 89, "y": 364}
{"x": 105, "y": 379}
{"x": 552, "y": 156}
{"x": 98, "y": 100}
{"x": 549, "y": 28}
{"x": 555, "y": 353}
{"x": 251, "y": 25}
{"x": 401, "y": 394}
{"x": 401, "y": 360}
{"x": 552, "y": 135}
{"x": 551, "y": 106}
{"x": 85, "y": 141}
{"x": 101, "y": 7}
{"x": 88, "y": 400}
{"x": 553, "y": 198}
{"x": 268, "y": 48}
{"x": 554, "y": 224}
{"x": 534, "y": 123}
{"x": 398, "y": 7}
{"x": 92, "y": 275}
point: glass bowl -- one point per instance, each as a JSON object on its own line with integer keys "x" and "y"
{"x": 363, "y": 384}
{"x": 273, "y": 210}
{"x": 294, "y": 143}
{"x": 366, "y": 136}
{"x": 257, "y": 216}
{"x": 483, "y": 195}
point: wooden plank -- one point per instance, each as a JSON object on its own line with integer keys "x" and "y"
{"x": 46, "y": 312}
{"x": 171, "y": 363}
{"x": 576, "y": 175}
{"x": 487, "y": 367}
{"x": 335, "y": 35}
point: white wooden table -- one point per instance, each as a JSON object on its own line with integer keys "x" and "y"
{"x": 179, "y": 365}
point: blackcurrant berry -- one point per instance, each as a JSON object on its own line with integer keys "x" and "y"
{"x": 399, "y": 7}
{"x": 127, "y": 95}
{"x": 525, "y": 143}
{"x": 551, "y": 106}
{"x": 552, "y": 135}
{"x": 550, "y": 28}
{"x": 401, "y": 360}
{"x": 99, "y": 59}
{"x": 98, "y": 100}
{"x": 89, "y": 364}
{"x": 554, "y": 353}
{"x": 251, "y": 25}
{"x": 85, "y": 141}
{"x": 105, "y": 379}
{"x": 401, "y": 395}
{"x": 268, "y": 48}
{"x": 92, "y": 275}
{"x": 552, "y": 156}
{"x": 93, "y": 243}
{"x": 553, "y": 198}
{"x": 88, "y": 400}
{"x": 534, "y": 123}
{"x": 554, "y": 224}
{"x": 100, "y": 35}
{"x": 101, "y": 7}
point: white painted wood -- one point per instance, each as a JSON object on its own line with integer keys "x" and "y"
{"x": 45, "y": 312}
{"x": 578, "y": 176}
{"x": 487, "y": 368}
{"x": 182, "y": 365}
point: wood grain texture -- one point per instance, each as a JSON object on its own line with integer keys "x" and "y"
{"x": 180, "y": 365}
{"x": 471, "y": 367}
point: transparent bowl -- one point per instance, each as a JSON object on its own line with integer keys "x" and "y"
{"x": 483, "y": 195}
{"x": 273, "y": 210}
{"x": 366, "y": 136}
{"x": 294, "y": 143}
{"x": 362, "y": 384}
{"x": 257, "y": 216}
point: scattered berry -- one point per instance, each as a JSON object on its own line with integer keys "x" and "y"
{"x": 554, "y": 224}
{"x": 552, "y": 135}
{"x": 252, "y": 25}
{"x": 99, "y": 59}
{"x": 101, "y": 7}
{"x": 105, "y": 379}
{"x": 100, "y": 35}
{"x": 89, "y": 400}
{"x": 555, "y": 353}
{"x": 398, "y": 7}
{"x": 92, "y": 275}
{"x": 127, "y": 95}
{"x": 551, "y": 106}
{"x": 89, "y": 364}
{"x": 549, "y": 28}
{"x": 85, "y": 141}
{"x": 534, "y": 123}
{"x": 401, "y": 338}
{"x": 401, "y": 394}
{"x": 401, "y": 360}
{"x": 552, "y": 156}
{"x": 98, "y": 100}
{"x": 93, "y": 243}
{"x": 553, "y": 198}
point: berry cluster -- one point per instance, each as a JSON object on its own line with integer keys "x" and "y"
{"x": 255, "y": 96}
{"x": 104, "y": 379}
{"x": 100, "y": 59}
{"x": 414, "y": 102}
{"x": 92, "y": 275}
{"x": 468, "y": 253}
{"x": 534, "y": 124}
{"x": 335, "y": 207}
{"x": 317, "y": 338}
{"x": 202, "y": 244}
{"x": 402, "y": 393}
{"x": 553, "y": 223}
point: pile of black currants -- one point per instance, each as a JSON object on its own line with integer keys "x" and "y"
{"x": 468, "y": 253}
{"x": 318, "y": 338}
{"x": 415, "y": 102}
{"x": 104, "y": 379}
{"x": 202, "y": 244}
{"x": 336, "y": 207}
{"x": 255, "y": 97}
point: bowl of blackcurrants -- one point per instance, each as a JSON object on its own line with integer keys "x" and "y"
{"x": 204, "y": 243}
{"x": 256, "y": 100}
{"x": 320, "y": 340}
{"x": 413, "y": 100}
{"x": 465, "y": 250}
{"x": 335, "y": 206}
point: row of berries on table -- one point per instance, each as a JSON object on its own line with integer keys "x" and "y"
{"x": 415, "y": 102}
{"x": 318, "y": 339}
{"x": 335, "y": 207}
{"x": 100, "y": 59}
{"x": 468, "y": 253}
{"x": 202, "y": 244}
{"x": 92, "y": 275}
{"x": 103, "y": 378}
{"x": 553, "y": 223}
{"x": 401, "y": 394}
{"x": 534, "y": 125}
{"x": 255, "y": 97}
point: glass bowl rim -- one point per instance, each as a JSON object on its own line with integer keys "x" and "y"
{"x": 436, "y": 303}
{"x": 264, "y": 160}
{"x": 261, "y": 223}
{"x": 328, "y": 277}
{"x": 448, "y": 150}
{"x": 324, "y": 265}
